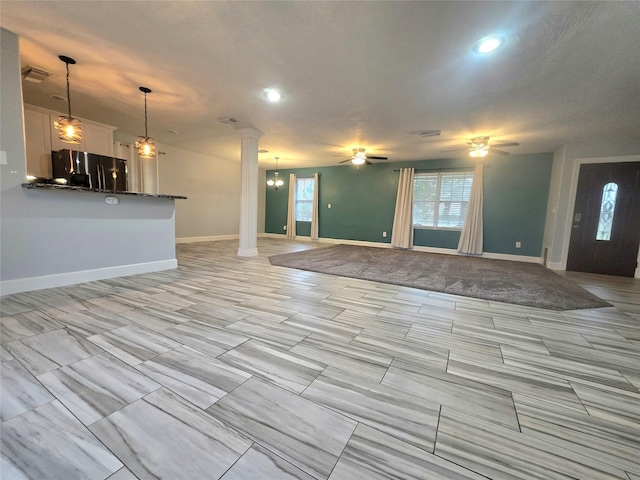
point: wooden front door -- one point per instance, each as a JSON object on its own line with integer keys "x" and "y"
{"x": 606, "y": 219}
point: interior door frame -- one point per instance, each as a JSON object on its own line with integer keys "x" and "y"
{"x": 572, "y": 200}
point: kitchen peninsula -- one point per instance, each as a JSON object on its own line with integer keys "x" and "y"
{"x": 68, "y": 234}
{"x": 55, "y": 186}
{"x": 52, "y": 236}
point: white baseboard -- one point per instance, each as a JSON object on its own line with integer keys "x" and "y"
{"x": 445, "y": 251}
{"x": 557, "y": 266}
{"x": 213, "y": 238}
{"x": 8, "y": 287}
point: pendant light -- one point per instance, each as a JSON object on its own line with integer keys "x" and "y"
{"x": 275, "y": 182}
{"x": 69, "y": 128}
{"x": 146, "y": 145}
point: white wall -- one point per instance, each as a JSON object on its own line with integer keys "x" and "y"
{"x": 53, "y": 238}
{"x": 212, "y": 185}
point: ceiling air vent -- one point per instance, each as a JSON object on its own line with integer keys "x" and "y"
{"x": 34, "y": 74}
{"x": 429, "y": 133}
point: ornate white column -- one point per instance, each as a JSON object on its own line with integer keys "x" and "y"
{"x": 249, "y": 192}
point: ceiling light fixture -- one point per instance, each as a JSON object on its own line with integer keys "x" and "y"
{"x": 275, "y": 182}
{"x": 272, "y": 94}
{"x": 479, "y": 147}
{"x": 69, "y": 128}
{"x": 146, "y": 146}
{"x": 359, "y": 156}
{"x": 488, "y": 44}
{"x": 479, "y": 152}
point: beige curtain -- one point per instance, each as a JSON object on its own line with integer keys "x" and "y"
{"x": 291, "y": 213}
{"x": 471, "y": 235}
{"x": 402, "y": 233}
{"x": 314, "y": 208}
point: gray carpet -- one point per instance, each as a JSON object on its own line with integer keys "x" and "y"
{"x": 521, "y": 283}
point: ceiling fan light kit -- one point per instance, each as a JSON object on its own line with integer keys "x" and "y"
{"x": 480, "y": 147}
{"x": 360, "y": 157}
{"x": 69, "y": 128}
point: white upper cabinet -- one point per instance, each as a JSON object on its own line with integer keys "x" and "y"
{"x": 98, "y": 138}
{"x": 38, "y": 143}
{"x": 41, "y": 138}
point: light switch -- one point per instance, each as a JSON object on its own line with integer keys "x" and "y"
{"x": 328, "y": 205}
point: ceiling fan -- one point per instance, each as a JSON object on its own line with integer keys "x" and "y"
{"x": 359, "y": 157}
{"x": 479, "y": 147}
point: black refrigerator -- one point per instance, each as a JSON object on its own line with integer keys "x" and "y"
{"x": 90, "y": 170}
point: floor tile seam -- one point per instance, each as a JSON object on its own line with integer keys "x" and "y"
{"x": 625, "y": 376}
{"x": 125, "y": 365}
{"x": 568, "y": 425}
{"x": 465, "y": 466}
{"x": 570, "y": 376}
{"x": 575, "y": 448}
{"x": 412, "y": 397}
{"x": 26, "y": 365}
{"x": 580, "y": 399}
{"x": 98, "y": 439}
{"x": 339, "y": 457}
{"x": 605, "y": 365}
{"x": 569, "y": 454}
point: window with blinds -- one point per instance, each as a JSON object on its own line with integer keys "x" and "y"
{"x": 440, "y": 199}
{"x": 304, "y": 199}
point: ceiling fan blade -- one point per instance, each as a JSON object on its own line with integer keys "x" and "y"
{"x": 455, "y": 150}
{"x": 377, "y": 158}
{"x": 499, "y": 152}
{"x": 345, "y": 161}
{"x": 508, "y": 144}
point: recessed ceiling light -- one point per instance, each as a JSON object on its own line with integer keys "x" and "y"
{"x": 262, "y": 150}
{"x": 272, "y": 94}
{"x": 175, "y": 132}
{"x": 488, "y": 44}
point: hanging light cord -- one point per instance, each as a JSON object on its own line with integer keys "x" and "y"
{"x": 68, "y": 91}
{"x": 145, "y": 115}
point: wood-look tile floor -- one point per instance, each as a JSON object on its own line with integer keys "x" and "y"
{"x": 231, "y": 368}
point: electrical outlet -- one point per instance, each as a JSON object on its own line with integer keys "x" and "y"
{"x": 384, "y": 234}
{"x": 518, "y": 244}
{"x": 284, "y": 228}
{"x": 111, "y": 200}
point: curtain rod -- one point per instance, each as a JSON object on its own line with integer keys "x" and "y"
{"x": 307, "y": 176}
{"x": 443, "y": 169}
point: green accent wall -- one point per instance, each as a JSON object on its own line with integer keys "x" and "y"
{"x": 516, "y": 189}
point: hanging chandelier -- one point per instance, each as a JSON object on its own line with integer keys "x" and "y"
{"x": 69, "y": 128}
{"x": 275, "y": 182}
{"x": 146, "y": 145}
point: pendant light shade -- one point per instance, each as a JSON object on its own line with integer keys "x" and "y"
{"x": 275, "y": 182}
{"x": 69, "y": 128}
{"x": 146, "y": 145}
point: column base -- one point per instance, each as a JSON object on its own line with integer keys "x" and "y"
{"x": 247, "y": 252}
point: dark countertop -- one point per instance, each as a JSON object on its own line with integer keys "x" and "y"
{"x": 55, "y": 186}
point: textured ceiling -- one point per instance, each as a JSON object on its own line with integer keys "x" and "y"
{"x": 368, "y": 74}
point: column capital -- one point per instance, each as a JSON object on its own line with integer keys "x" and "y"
{"x": 249, "y": 132}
